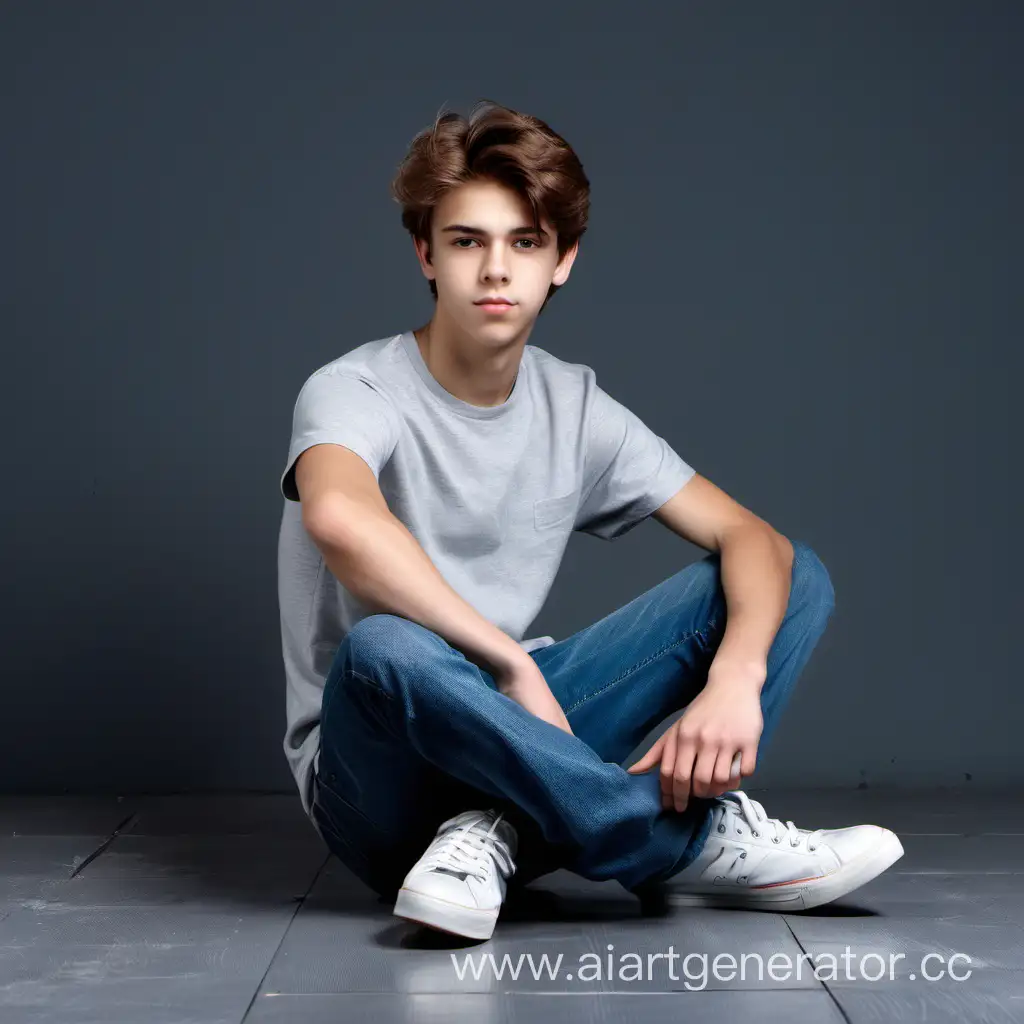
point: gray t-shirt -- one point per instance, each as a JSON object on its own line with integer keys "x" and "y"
{"x": 491, "y": 494}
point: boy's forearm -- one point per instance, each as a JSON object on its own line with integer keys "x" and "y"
{"x": 374, "y": 556}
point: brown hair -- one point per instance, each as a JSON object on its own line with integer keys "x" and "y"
{"x": 497, "y": 144}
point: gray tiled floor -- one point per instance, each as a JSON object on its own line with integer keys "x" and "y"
{"x": 226, "y": 909}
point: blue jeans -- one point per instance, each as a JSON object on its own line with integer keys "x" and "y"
{"x": 412, "y": 732}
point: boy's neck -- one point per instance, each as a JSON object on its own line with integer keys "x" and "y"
{"x": 478, "y": 374}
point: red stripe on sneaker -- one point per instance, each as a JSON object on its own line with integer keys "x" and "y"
{"x": 794, "y": 881}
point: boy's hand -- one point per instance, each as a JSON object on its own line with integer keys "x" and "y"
{"x": 525, "y": 684}
{"x": 709, "y": 747}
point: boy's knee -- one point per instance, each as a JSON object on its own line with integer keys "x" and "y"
{"x": 811, "y": 580}
{"x": 381, "y": 640}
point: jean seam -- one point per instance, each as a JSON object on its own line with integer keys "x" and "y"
{"x": 641, "y": 664}
{"x": 372, "y": 682}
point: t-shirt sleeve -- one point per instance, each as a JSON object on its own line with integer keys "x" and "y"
{"x": 341, "y": 408}
{"x": 629, "y": 471}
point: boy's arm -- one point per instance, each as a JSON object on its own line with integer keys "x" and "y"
{"x": 372, "y": 553}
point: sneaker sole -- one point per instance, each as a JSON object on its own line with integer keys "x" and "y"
{"x": 469, "y": 922}
{"x": 805, "y": 894}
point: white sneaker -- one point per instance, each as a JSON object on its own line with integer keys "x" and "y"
{"x": 459, "y": 883}
{"x": 757, "y": 862}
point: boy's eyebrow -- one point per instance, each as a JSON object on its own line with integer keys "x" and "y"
{"x": 468, "y": 229}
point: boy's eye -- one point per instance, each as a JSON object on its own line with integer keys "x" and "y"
{"x": 533, "y": 244}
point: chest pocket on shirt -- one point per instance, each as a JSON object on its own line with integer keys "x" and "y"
{"x": 551, "y": 512}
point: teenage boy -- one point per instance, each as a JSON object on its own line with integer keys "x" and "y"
{"x": 432, "y": 482}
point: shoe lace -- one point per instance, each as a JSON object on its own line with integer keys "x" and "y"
{"x": 470, "y": 842}
{"x": 739, "y": 807}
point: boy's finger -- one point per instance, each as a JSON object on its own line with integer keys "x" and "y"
{"x": 651, "y": 757}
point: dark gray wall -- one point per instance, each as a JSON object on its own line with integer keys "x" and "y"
{"x": 803, "y": 269}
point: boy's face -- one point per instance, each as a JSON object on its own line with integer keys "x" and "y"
{"x": 467, "y": 267}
